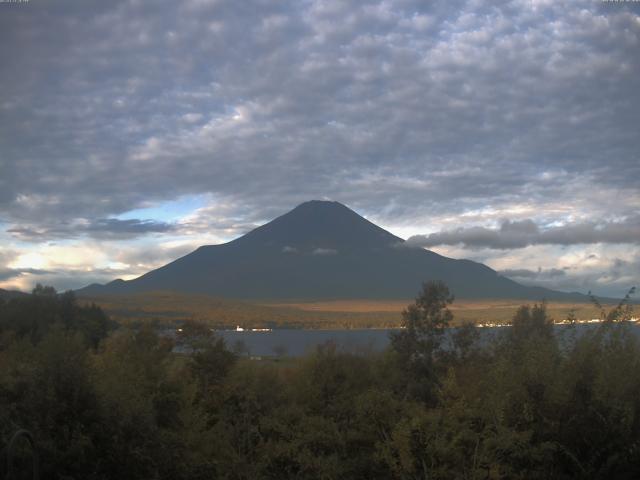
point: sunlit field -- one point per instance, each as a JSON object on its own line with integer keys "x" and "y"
{"x": 478, "y": 312}
{"x": 169, "y": 307}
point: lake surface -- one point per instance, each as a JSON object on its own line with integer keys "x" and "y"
{"x": 299, "y": 342}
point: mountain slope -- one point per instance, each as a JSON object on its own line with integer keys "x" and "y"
{"x": 322, "y": 250}
{"x": 9, "y": 294}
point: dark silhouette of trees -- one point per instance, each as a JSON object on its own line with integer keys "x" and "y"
{"x": 439, "y": 403}
{"x": 32, "y": 316}
{"x": 622, "y": 311}
{"x": 419, "y": 343}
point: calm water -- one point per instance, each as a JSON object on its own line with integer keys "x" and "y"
{"x": 299, "y": 342}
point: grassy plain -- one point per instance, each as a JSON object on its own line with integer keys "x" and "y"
{"x": 477, "y": 311}
{"x": 169, "y": 307}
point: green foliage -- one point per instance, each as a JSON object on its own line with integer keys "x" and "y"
{"x": 531, "y": 322}
{"x": 210, "y": 365}
{"x": 48, "y": 390}
{"x": 465, "y": 342}
{"x": 521, "y": 405}
{"x": 419, "y": 343}
{"x": 34, "y": 315}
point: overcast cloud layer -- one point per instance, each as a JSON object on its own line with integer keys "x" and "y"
{"x": 520, "y": 234}
{"x": 503, "y": 131}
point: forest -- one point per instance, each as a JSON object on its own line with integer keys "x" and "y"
{"x": 103, "y": 401}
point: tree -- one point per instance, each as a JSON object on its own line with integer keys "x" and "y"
{"x": 529, "y": 322}
{"x": 47, "y": 389}
{"x": 44, "y": 291}
{"x": 32, "y": 316}
{"x": 418, "y": 344}
{"x": 464, "y": 341}
{"x": 622, "y": 311}
{"x": 211, "y": 364}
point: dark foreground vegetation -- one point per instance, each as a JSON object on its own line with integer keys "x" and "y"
{"x": 105, "y": 403}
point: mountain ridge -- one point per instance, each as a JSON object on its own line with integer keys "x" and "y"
{"x": 322, "y": 250}
{"x": 9, "y": 294}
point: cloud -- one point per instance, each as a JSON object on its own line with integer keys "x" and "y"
{"x": 220, "y": 218}
{"x": 520, "y": 234}
{"x": 8, "y": 273}
{"x": 605, "y": 275}
{"x": 131, "y": 227}
{"x": 75, "y": 264}
{"x": 14, "y": 273}
{"x": 422, "y": 115}
{"x": 102, "y": 228}
{"x": 429, "y": 107}
{"x": 146, "y": 256}
{"x": 606, "y": 269}
{"x": 324, "y": 251}
{"x": 67, "y": 279}
{"x": 523, "y": 273}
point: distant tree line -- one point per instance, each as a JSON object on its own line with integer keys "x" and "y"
{"x": 527, "y": 404}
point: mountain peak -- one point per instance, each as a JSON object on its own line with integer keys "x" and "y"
{"x": 321, "y": 250}
{"x": 313, "y": 208}
{"x": 321, "y": 204}
{"x": 320, "y": 224}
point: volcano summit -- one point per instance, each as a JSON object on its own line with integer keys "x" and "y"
{"x": 322, "y": 250}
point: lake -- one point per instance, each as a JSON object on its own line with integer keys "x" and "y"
{"x": 290, "y": 342}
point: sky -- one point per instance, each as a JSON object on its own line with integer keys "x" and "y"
{"x": 506, "y": 132}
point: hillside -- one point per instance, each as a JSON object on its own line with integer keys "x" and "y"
{"x": 322, "y": 250}
{"x": 8, "y": 294}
